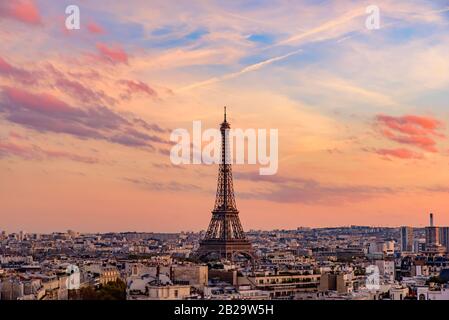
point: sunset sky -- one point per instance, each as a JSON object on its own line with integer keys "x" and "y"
{"x": 86, "y": 115}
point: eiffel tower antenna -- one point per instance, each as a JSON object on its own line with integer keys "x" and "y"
{"x": 225, "y": 236}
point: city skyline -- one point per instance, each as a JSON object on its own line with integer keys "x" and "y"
{"x": 356, "y": 263}
{"x": 86, "y": 115}
{"x": 203, "y": 230}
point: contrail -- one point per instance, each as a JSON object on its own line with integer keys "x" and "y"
{"x": 250, "y": 68}
{"x": 326, "y": 26}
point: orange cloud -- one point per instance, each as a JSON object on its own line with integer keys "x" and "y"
{"x": 399, "y": 153}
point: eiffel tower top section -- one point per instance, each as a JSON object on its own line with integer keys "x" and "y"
{"x": 225, "y": 200}
{"x": 225, "y": 124}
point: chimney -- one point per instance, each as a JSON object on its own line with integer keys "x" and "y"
{"x": 431, "y": 219}
{"x": 172, "y": 274}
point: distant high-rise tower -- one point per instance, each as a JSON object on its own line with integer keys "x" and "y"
{"x": 407, "y": 239}
{"x": 225, "y": 237}
{"x": 433, "y": 245}
{"x": 432, "y": 234}
{"x": 444, "y": 237}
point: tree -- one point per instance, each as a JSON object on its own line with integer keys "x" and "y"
{"x": 112, "y": 291}
{"x": 115, "y": 290}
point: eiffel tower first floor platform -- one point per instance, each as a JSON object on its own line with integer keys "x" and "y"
{"x": 229, "y": 249}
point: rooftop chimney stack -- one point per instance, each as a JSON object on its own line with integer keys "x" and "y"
{"x": 431, "y": 219}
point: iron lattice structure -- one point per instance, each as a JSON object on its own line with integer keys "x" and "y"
{"x": 225, "y": 236}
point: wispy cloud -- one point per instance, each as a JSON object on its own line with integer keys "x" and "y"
{"x": 400, "y": 153}
{"x": 136, "y": 87}
{"x": 163, "y": 186}
{"x": 36, "y": 153}
{"x": 329, "y": 25}
{"x": 250, "y": 68}
{"x": 46, "y": 113}
{"x": 113, "y": 54}
{"x": 287, "y": 189}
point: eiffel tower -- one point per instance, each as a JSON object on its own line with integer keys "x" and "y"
{"x": 225, "y": 236}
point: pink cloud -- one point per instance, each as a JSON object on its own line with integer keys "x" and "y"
{"x": 418, "y": 131}
{"x": 399, "y": 153}
{"x": 17, "y": 137}
{"x": 114, "y": 54}
{"x": 22, "y": 75}
{"x": 95, "y": 28}
{"x": 5, "y": 67}
{"x": 82, "y": 92}
{"x": 423, "y": 142}
{"x": 21, "y": 10}
{"x": 137, "y": 87}
{"x": 60, "y": 80}
{"x": 46, "y": 113}
{"x": 40, "y": 102}
{"x": 76, "y": 89}
{"x": 411, "y": 124}
{"x": 11, "y": 149}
